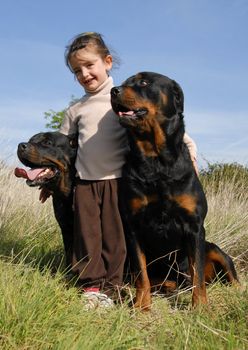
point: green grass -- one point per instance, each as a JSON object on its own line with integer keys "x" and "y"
{"x": 38, "y": 310}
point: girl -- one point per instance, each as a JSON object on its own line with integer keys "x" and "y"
{"x": 99, "y": 249}
{"x": 99, "y": 245}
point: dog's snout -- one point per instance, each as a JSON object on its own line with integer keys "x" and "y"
{"x": 22, "y": 146}
{"x": 115, "y": 90}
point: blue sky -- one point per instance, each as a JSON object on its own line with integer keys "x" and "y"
{"x": 201, "y": 44}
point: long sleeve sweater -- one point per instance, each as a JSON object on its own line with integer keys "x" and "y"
{"x": 102, "y": 142}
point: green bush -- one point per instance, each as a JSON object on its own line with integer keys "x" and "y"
{"x": 219, "y": 173}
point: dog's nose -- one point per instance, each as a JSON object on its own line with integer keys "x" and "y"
{"x": 22, "y": 146}
{"x": 115, "y": 90}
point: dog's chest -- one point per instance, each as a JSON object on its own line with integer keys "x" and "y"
{"x": 154, "y": 210}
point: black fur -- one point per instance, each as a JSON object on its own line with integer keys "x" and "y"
{"x": 56, "y": 152}
{"x": 164, "y": 198}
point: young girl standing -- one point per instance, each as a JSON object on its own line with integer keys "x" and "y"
{"x": 99, "y": 249}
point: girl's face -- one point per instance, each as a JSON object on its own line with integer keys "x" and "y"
{"x": 90, "y": 69}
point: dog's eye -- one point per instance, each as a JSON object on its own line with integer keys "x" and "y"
{"x": 73, "y": 143}
{"x": 47, "y": 142}
{"x": 143, "y": 82}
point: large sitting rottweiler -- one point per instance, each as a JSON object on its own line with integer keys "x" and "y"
{"x": 51, "y": 157}
{"x": 166, "y": 205}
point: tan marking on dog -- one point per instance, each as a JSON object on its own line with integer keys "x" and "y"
{"x": 63, "y": 185}
{"x": 60, "y": 165}
{"x": 147, "y": 148}
{"x": 153, "y": 146}
{"x": 209, "y": 271}
{"x": 137, "y": 204}
{"x": 199, "y": 295}
{"x": 33, "y": 155}
{"x": 164, "y": 98}
{"x": 64, "y": 176}
{"x": 138, "y": 76}
{"x": 131, "y": 101}
{"x": 186, "y": 201}
{"x": 142, "y": 284}
{"x": 150, "y": 123}
{"x": 211, "y": 258}
{"x": 159, "y": 136}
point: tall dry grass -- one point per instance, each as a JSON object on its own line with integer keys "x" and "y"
{"x": 39, "y": 311}
{"x": 27, "y": 228}
{"x": 227, "y": 220}
{"x": 24, "y": 219}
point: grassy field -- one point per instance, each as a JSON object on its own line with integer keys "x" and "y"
{"x": 39, "y": 311}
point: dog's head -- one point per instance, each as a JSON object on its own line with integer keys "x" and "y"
{"x": 51, "y": 157}
{"x": 146, "y": 99}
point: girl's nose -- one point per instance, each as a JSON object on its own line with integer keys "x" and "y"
{"x": 84, "y": 72}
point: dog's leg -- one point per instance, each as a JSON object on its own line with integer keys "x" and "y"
{"x": 64, "y": 215}
{"x": 196, "y": 253}
{"x": 142, "y": 283}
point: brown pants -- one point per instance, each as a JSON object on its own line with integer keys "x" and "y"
{"x": 99, "y": 244}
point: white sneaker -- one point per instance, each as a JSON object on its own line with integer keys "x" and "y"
{"x": 97, "y": 299}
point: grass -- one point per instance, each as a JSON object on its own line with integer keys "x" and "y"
{"x": 38, "y": 310}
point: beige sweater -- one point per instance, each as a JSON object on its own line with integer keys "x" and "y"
{"x": 102, "y": 140}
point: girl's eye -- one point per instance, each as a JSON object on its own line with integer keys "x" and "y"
{"x": 77, "y": 72}
{"x": 143, "y": 82}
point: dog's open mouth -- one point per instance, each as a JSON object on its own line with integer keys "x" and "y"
{"x": 36, "y": 176}
{"x": 124, "y": 112}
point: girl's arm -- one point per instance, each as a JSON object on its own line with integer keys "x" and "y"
{"x": 192, "y": 150}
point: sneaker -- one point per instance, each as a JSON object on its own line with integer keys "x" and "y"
{"x": 91, "y": 289}
{"x": 97, "y": 299}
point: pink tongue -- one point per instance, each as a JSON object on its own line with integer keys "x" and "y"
{"x": 126, "y": 113}
{"x": 30, "y": 174}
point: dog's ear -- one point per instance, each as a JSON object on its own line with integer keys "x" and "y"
{"x": 73, "y": 139}
{"x": 176, "y": 126}
{"x": 178, "y": 97}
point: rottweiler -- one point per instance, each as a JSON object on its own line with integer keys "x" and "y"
{"x": 165, "y": 201}
{"x": 51, "y": 157}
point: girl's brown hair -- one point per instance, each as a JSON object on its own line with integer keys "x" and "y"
{"x": 82, "y": 40}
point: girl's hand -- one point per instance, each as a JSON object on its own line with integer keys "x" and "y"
{"x": 195, "y": 166}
